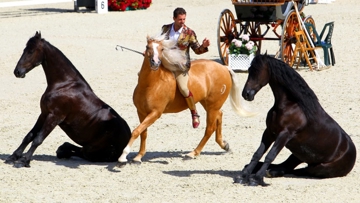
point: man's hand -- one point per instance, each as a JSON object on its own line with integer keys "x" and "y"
{"x": 206, "y": 42}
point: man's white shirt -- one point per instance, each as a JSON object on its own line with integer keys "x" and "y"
{"x": 174, "y": 35}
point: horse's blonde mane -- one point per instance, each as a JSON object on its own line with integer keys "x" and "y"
{"x": 172, "y": 57}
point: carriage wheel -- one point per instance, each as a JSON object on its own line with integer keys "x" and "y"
{"x": 226, "y": 33}
{"x": 309, "y": 19}
{"x": 288, "y": 39}
{"x": 253, "y": 29}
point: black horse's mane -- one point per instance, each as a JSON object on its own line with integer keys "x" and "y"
{"x": 291, "y": 81}
{"x": 33, "y": 43}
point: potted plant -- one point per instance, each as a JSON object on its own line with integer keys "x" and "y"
{"x": 241, "y": 53}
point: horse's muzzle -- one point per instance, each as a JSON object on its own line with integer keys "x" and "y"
{"x": 155, "y": 61}
{"x": 19, "y": 74}
{"x": 154, "y": 65}
{"x": 248, "y": 94}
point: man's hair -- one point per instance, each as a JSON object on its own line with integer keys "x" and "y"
{"x": 179, "y": 11}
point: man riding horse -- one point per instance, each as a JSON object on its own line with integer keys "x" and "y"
{"x": 186, "y": 39}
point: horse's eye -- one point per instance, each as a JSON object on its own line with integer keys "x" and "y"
{"x": 30, "y": 51}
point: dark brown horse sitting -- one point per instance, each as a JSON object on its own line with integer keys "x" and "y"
{"x": 69, "y": 102}
{"x": 298, "y": 122}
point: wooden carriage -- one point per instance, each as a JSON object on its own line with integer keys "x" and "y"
{"x": 256, "y": 18}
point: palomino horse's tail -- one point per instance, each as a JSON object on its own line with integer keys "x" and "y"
{"x": 235, "y": 97}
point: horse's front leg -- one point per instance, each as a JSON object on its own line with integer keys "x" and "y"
{"x": 27, "y": 139}
{"x": 44, "y": 125}
{"x": 146, "y": 121}
{"x": 280, "y": 142}
{"x": 244, "y": 176}
{"x": 142, "y": 149}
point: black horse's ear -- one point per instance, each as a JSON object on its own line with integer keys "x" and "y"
{"x": 38, "y": 34}
{"x": 265, "y": 53}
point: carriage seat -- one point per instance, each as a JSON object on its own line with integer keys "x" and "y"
{"x": 284, "y": 10}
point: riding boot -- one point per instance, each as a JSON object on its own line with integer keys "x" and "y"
{"x": 195, "y": 116}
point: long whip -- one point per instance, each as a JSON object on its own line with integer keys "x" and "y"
{"x": 122, "y": 49}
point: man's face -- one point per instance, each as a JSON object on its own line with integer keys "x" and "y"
{"x": 180, "y": 20}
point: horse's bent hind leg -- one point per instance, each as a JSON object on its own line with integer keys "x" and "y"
{"x": 213, "y": 122}
{"x": 219, "y": 139}
{"x": 68, "y": 150}
{"x": 337, "y": 168}
{"x": 321, "y": 170}
{"x": 279, "y": 170}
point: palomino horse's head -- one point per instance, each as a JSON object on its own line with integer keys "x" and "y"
{"x": 32, "y": 56}
{"x": 259, "y": 76}
{"x": 161, "y": 51}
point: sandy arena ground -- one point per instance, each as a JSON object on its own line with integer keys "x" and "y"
{"x": 89, "y": 39}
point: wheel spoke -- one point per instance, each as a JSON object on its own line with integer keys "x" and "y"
{"x": 288, "y": 40}
{"x": 226, "y": 32}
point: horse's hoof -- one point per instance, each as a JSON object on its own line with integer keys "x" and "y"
{"x": 227, "y": 146}
{"x": 268, "y": 174}
{"x": 255, "y": 182}
{"x": 10, "y": 160}
{"x": 187, "y": 157}
{"x": 240, "y": 180}
{"x": 121, "y": 164}
{"x": 21, "y": 165}
{"x": 135, "y": 162}
{"x": 62, "y": 155}
{"x": 275, "y": 173}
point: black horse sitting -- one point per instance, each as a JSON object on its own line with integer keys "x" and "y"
{"x": 69, "y": 102}
{"x": 298, "y": 122}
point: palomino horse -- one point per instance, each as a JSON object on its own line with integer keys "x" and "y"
{"x": 69, "y": 102}
{"x": 298, "y": 122}
{"x": 157, "y": 93}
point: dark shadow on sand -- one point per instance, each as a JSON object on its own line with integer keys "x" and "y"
{"x": 75, "y": 162}
{"x": 21, "y": 12}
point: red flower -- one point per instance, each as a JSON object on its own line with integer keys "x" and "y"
{"x": 122, "y": 5}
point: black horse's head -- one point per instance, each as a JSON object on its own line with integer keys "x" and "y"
{"x": 31, "y": 57}
{"x": 259, "y": 76}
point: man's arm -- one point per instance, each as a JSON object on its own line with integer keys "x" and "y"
{"x": 195, "y": 45}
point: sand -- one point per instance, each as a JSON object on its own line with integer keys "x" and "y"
{"x": 88, "y": 39}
